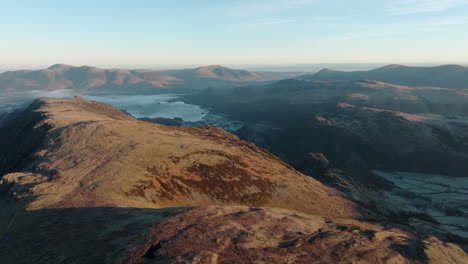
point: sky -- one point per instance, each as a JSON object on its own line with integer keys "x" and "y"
{"x": 173, "y": 33}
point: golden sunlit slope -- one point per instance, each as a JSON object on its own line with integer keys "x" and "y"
{"x": 92, "y": 155}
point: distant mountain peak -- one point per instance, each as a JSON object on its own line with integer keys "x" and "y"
{"x": 224, "y": 73}
{"x": 453, "y": 66}
{"x": 58, "y": 66}
{"x": 445, "y": 76}
{"x": 391, "y": 66}
{"x": 327, "y": 70}
{"x": 214, "y": 66}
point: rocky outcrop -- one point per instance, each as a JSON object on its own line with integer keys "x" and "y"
{"x": 262, "y": 235}
{"x": 208, "y": 235}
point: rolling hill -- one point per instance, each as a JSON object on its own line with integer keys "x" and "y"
{"x": 448, "y": 76}
{"x": 86, "y": 79}
{"x": 82, "y": 78}
{"x": 217, "y": 72}
{"x": 81, "y": 153}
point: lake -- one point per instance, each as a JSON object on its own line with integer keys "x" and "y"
{"x": 139, "y": 106}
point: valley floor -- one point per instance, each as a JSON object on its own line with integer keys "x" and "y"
{"x": 443, "y": 198}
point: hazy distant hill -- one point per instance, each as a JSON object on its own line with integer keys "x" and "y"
{"x": 365, "y": 124}
{"x": 61, "y": 76}
{"x": 278, "y": 75}
{"x": 86, "y": 78}
{"x": 449, "y": 76}
{"x": 217, "y": 72}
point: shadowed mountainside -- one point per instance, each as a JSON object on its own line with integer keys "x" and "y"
{"x": 450, "y": 76}
{"x": 360, "y": 124}
{"x": 417, "y": 135}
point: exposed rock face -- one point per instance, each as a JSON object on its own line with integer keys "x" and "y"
{"x": 208, "y": 235}
{"x": 97, "y": 184}
{"x": 263, "y": 235}
{"x": 316, "y": 163}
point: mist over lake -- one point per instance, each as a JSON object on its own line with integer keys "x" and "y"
{"x": 152, "y": 106}
{"x": 161, "y": 105}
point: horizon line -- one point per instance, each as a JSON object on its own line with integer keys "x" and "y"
{"x": 4, "y": 68}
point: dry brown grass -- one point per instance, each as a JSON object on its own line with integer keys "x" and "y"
{"x": 102, "y": 157}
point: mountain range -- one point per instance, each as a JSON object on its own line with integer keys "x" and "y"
{"x": 86, "y": 79}
{"x": 448, "y": 76}
{"x": 92, "y": 79}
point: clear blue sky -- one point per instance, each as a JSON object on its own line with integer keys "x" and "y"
{"x": 166, "y": 33}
